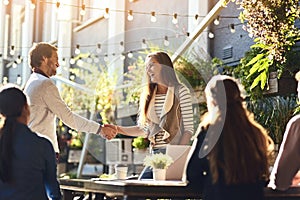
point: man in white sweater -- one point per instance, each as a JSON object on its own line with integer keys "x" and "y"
{"x": 46, "y": 103}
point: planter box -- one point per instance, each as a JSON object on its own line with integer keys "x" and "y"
{"x": 287, "y": 84}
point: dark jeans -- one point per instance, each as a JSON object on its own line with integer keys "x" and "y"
{"x": 147, "y": 172}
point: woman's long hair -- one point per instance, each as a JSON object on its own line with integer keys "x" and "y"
{"x": 242, "y": 152}
{"x": 12, "y": 102}
{"x": 168, "y": 77}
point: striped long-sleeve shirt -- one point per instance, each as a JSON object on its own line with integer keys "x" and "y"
{"x": 186, "y": 107}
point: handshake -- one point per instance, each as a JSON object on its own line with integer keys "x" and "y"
{"x": 109, "y": 131}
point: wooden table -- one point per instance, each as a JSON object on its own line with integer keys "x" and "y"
{"x": 135, "y": 189}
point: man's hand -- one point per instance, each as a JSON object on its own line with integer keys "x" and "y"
{"x": 108, "y": 132}
{"x": 111, "y": 126}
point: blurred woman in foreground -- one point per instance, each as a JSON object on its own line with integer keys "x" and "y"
{"x": 229, "y": 158}
{"x": 27, "y": 161}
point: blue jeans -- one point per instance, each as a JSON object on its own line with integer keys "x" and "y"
{"x": 147, "y": 172}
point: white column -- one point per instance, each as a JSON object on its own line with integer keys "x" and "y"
{"x": 202, "y": 9}
{"x": 27, "y": 40}
{"x": 116, "y": 34}
{"x": 2, "y": 22}
{"x": 64, "y": 36}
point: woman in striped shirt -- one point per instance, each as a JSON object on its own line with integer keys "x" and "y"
{"x": 165, "y": 112}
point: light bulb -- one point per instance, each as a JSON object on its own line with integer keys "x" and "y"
{"x": 98, "y": 50}
{"x": 153, "y": 18}
{"x": 130, "y": 16}
{"x": 72, "y": 60}
{"x": 175, "y": 20}
{"x": 166, "y": 41}
{"x": 77, "y": 50}
{"x": 106, "y": 14}
{"x": 217, "y": 21}
{"x": 130, "y": 54}
{"x": 5, "y": 2}
{"x": 232, "y": 29}
{"x": 144, "y": 44}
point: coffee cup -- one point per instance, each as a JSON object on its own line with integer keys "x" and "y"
{"x": 121, "y": 171}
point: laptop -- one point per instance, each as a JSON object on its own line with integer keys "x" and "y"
{"x": 179, "y": 154}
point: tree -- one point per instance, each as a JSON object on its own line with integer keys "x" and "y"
{"x": 272, "y": 24}
{"x": 93, "y": 77}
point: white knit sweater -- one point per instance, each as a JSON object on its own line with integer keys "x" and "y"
{"x": 46, "y": 104}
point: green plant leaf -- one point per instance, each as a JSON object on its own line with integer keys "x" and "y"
{"x": 255, "y": 59}
{"x": 255, "y": 83}
{"x": 263, "y": 79}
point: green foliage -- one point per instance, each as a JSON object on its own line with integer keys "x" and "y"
{"x": 94, "y": 78}
{"x": 195, "y": 68}
{"x": 272, "y": 24}
{"x": 140, "y": 142}
{"x": 188, "y": 72}
{"x": 273, "y": 113}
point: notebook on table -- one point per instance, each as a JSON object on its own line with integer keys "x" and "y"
{"x": 179, "y": 154}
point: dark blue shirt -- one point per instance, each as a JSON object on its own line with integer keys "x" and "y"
{"x": 200, "y": 180}
{"x": 34, "y": 168}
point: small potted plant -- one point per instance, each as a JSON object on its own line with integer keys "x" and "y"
{"x": 141, "y": 143}
{"x": 159, "y": 163}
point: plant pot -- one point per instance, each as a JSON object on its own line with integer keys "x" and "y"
{"x": 159, "y": 174}
{"x": 139, "y": 155}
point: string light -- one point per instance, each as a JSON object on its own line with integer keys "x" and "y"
{"x": 106, "y": 14}
{"x": 72, "y": 77}
{"x": 32, "y": 4}
{"x": 144, "y": 44}
{"x": 57, "y": 4}
{"x": 122, "y": 57}
{"x": 79, "y": 62}
{"x": 130, "y": 54}
{"x": 153, "y": 18}
{"x": 98, "y": 50}
{"x": 121, "y": 47}
{"x": 63, "y": 62}
{"x": 196, "y": 19}
{"x": 77, "y": 50}
{"x": 211, "y": 35}
{"x": 82, "y": 11}
{"x": 96, "y": 59}
{"x": 19, "y": 59}
{"x": 232, "y": 29}
{"x": 89, "y": 59}
{"x": 166, "y": 41}
{"x": 5, "y": 80}
{"x": 72, "y": 60}
{"x": 12, "y": 50}
{"x": 105, "y": 58}
{"x": 217, "y": 21}
{"x": 129, "y": 16}
{"x": 175, "y": 20}
{"x": 14, "y": 64}
{"x": 19, "y": 79}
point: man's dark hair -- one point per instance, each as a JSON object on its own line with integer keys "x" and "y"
{"x": 38, "y": 52}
